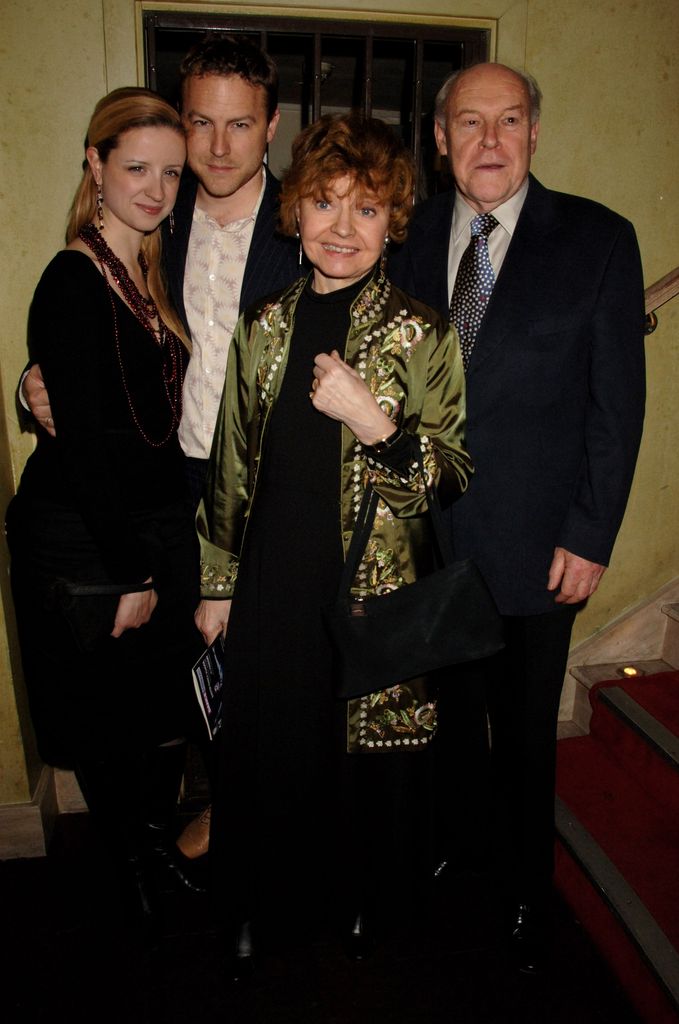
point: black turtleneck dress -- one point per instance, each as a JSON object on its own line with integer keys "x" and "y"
{"x": 299, "y": 824}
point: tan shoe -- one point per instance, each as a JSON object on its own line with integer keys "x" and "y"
{"x": 195, "y": 839}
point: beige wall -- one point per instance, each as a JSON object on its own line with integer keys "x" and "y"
{"x": 610, "y": 74}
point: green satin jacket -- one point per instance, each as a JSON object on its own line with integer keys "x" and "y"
{"x": 411, "y": 363}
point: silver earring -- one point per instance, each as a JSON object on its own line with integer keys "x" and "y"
{"x": 383, "y": 258}
{"x": 171, "y": 222}
{"x": 301, "y": 253}
{"x": 100, "y": 207}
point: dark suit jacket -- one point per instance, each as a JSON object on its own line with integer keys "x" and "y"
{"x": 555, "y": 387}
{"x": 272, "y": 261}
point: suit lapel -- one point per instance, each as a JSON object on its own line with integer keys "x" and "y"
{"x": 514, "y": 293}
{"x": 260, "y": 266}
{"x": 440, "y": 241}
{"x": 429, "y": 253}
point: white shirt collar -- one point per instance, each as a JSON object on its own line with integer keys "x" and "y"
{"x": 507, "y": 214}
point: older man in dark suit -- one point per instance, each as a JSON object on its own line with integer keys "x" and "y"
{"x": 551, "y": 323}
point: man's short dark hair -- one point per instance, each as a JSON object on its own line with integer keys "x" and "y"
{"x": 221, "y": 54}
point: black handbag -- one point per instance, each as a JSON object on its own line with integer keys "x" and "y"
{"x": 443, "y": 618}
{"x": 90, "y": 608}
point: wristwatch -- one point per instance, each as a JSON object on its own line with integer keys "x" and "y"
{"x": 380, "y": 447}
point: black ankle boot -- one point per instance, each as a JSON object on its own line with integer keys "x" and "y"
{"x": 111, "y": 791}
{"x": 166, "y": 862}
{"x": 163, "y": 771}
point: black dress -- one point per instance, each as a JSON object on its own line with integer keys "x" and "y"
{"x": 295, "y": 819}
{"x": 100, "y": 502}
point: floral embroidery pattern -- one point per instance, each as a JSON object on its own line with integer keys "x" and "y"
{"x": 378, "y": 572}
{"x": 397, "y": 339}
{"x": 398, "y": 717}
{"x": 219, "y": 579}
{"x": 274, "y": 328}
{"x": 372, "y": 300}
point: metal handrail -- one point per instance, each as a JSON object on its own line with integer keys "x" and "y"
{"x": 656, "y": 295}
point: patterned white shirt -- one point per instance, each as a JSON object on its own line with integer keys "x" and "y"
{"x": 213, "y": 279}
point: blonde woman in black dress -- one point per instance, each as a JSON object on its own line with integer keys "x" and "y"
{"x": 102, "y": 500}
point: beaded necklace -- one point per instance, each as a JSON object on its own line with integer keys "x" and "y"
{"x": 145, "y": 311}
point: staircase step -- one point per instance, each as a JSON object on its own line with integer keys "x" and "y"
{"x": 629, "y": 936}
{"x": 671, "y": 611}
{"x": 637, "y": 722}
{"x": 635, "y": 831}
{"x": 663, "y": 741}
{"x": 627, "y": 846}
{"x": 670, "y": 649}
{"x": 588, "y": 676}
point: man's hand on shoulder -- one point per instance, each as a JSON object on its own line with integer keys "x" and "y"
{"x": 575, "y": 578}
{"x": 36, "y": 398}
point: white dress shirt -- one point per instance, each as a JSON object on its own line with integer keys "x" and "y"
{"x": 506, "y": 215}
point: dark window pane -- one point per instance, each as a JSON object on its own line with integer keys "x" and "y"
{"x": 328, "y": 66}
{"x": 393, "y": 71}
{"x": 342, "y": 74}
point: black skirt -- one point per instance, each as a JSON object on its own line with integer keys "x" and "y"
{"x": 128, "y": 693}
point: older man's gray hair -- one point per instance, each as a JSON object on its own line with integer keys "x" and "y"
{"x": 534, "y": 93}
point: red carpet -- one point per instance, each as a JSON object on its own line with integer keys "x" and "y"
{"x": 613, "y": 943}
{"x": 627, "y": 796}
{"x": 634, "y": 830}
{"x": 659, "y": 695}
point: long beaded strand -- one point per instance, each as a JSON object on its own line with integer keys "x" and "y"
{"x": 145, "y": 311}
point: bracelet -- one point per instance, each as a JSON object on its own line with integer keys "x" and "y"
{"x": 386, "y": 443}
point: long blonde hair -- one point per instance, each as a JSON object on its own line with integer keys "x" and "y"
{"x": 116, "y": 113}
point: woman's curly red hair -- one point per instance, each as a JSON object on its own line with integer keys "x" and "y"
{"x": 362, "y": 148}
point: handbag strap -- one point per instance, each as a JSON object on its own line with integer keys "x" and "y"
{"x": 74, "y": 589}
{"x": 364, "y": 524}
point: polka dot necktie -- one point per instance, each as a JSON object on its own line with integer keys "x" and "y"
{"x": 473, "y": 284}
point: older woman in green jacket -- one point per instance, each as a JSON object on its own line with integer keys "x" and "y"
{"x": 335, "y": 382}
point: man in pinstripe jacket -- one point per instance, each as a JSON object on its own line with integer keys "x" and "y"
{"x": 221, "y": 251}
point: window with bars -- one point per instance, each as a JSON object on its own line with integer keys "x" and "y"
{"x": 389, "y": 70}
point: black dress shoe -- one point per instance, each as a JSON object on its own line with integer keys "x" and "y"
{"x": 359, "y": 941}
{"x": 167, "y": 865}
{"x": 529, "y": 939}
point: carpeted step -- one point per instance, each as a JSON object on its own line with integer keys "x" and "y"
{"x": 637, "y": 722}
{"x": 618, "y": 820}
{"x": 657, "y": 694}
{"x": 634, "y": 830}
{"x": 645, "y": 962}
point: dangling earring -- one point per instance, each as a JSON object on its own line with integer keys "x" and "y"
{"x": 383, "y": 258}
{"x": 100, "y": 207}
{"x": 171, "y": 222}
{"x": 300, "y": 248}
